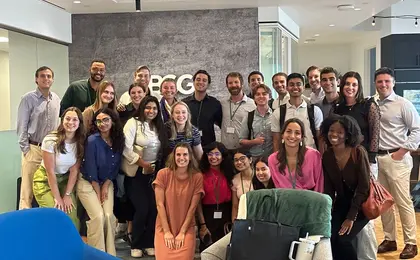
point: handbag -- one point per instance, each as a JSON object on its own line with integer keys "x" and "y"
{"x": 259, "y": 239}
{"x": 379, "y": 200}
{"x": 131, "y": 169}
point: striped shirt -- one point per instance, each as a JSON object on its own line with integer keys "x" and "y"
{"x": 181, "y": 138}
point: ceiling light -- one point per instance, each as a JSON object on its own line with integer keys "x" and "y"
{"x": 373, "y": 22}
{"x": 357, "y": 9}
{"x": 4, "y": 39}
{"x": 77, "y": 2}
{"x": 415, "y": 23}
{"x": 138, "y": 6}
{"x": 347, "y": 7}
{"x": 316, "y": 35}
{"x": 305, "y": 42}
{"x": 332, "y": 25}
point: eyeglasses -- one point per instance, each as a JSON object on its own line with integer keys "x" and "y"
{"x": 217, "y": 154}
{"x": 241, "y": 159}
{"x": 105, "y": 121}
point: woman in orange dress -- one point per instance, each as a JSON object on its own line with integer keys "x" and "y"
{"x": 178, "y": 189}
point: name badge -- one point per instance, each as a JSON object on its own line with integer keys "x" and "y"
{"x": 201, "y": 132}
{"x": 217, "y": 215}
{"x": 230, "y": 130}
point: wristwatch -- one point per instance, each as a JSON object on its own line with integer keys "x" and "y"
{"x": 68, "y": 193}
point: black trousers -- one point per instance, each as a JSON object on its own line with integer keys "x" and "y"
{"x": 344, "y": 247}
{"x": 216, "y": 226}
{"x": 142, "y": 196}
{"x": 123, "y": 208}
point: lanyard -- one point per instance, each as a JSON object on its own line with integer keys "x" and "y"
{"x": 216, "y": 190}
{"x": 199, "y": 113}
{"x": 234, "y": 112}
{"x": 242, "y": 182}
{"x": 292, "y": 180}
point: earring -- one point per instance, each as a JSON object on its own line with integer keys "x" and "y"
{"x": 282, "y": 141}
{"x": 301, "y": 144}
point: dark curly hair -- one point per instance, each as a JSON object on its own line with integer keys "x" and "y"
{"x": 116, "y": 132}
{"x": 351, "y": 127}
{"x": 226, "y": 166}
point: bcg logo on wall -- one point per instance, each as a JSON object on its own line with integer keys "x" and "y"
{"x": 184, "y": 83}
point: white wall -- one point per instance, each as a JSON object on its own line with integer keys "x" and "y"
{"x": 27, "y": 54}
{"x": 4, "y": 91}
{"x": 37, "y": 17}
{"x": 336, "y": 56}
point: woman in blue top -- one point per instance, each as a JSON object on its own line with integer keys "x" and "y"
{"x": 100, "y": 167}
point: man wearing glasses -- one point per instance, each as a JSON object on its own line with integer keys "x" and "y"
{"x": 82, "y": 93}
{"x": 297, "y": 107}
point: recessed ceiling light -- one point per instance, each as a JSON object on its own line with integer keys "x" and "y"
{"x": 305, "y": 42}
{"x": 316, "y": 35}
{"x": 4, "y": 39}
{"x": 332, "y": 25}
{"x": 77, "y": 2}
{"x": 357, "y": 9}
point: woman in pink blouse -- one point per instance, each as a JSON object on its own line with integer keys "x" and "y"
{"x": 296, "y": 166}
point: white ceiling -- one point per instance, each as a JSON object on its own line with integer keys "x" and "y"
{"x": 313, "y": 17}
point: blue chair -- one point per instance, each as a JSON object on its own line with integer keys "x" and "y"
{"x": 43, "y": 233}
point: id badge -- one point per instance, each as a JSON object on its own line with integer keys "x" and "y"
{"x": 201, "y": 133}
{"x": 230, "y": 130}
{"x": 217, "y": 214}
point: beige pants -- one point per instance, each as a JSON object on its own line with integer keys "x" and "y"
{"x": 102, "y": 223}
{"x": 395, "y": 177}
{"x": 30, "y": 164}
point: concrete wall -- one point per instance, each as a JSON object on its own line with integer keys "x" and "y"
{"x": 177, "y": 42}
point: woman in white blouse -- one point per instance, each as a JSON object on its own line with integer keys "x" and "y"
{"x": 62, "y": 152}
{"x": 145, "y": 132}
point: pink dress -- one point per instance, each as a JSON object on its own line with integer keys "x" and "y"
{"x": 312, "y": 179}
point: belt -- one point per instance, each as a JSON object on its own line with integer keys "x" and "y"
{"x": 35, "y": 143}
{"x": 388, "y": 151}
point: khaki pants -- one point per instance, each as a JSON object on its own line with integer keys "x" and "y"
{"x": 102, "y": 223}
{"x": 30, "y": 163}
{"x": 44, "y": 196}
{"x": 395, "y": 177}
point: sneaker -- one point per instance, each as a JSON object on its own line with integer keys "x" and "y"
{"x": 150, "y": 251}
{"x": 120, "y": 230}
{"x": 136, "y": 253}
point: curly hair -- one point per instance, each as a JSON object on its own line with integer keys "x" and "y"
{"x": 116, "y": 132}
{"x": 351, "y": 127}
{"x": 79, "y": 136}
{"x": 226, "y": 166}
{"x": 282, "y": 154}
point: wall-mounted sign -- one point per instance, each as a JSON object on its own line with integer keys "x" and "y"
{"x": 184, "y": 83}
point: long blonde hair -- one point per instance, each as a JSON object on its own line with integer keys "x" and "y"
{"x": 188, "y": 125}
{"x": 98, "y": 101}
{"x": 192, "y": 167}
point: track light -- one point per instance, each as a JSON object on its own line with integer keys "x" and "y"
{"x": 138, "y": 6}
{"x": 373, "y": 22}
{"x": 415, "y": 23}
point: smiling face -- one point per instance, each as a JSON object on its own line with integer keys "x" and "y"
{"x": 104, "y": 122}
{"x": 262, "y": 172}
{"x": 180, "y": 114}
{"x": 142, "y": 77}
{"x": 108, "y": 95}
{"x": 234, "y": 86}
{"x": 261, "y": 97}
{"x": 295, "y": 87}
{"x": 150, "y": 111}
{"x": 313, "y": 78}
{"x": 45, "y": 79}
{"x": 254, "y": 81}
{"x": 168, "y": 90}
{"x": 201, "y": 82}
{"x": 71, "y": 122}
{"x": 215, "y": 157}
{"x": 241, "y": 162}
{"x": 292, "y": 135}
{"x": 182, "y": 157}
{"x": 329, "y": 82}
{"x": 351, "y": 87}
{"x": 97, "y": 71}
{"x": 384, "y": 85}
{"x": 337, "y": 134}
{"x": 279, "y": 84}
{"x": 137, "y": 94}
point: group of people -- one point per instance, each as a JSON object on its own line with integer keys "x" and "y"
{"x": 152, "y": 162}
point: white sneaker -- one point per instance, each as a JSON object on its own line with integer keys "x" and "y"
{"x": 150, "y": 251}
{"x": 136, "y": 253}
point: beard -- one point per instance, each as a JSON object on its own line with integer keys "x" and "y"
{"x": 92, "y": 76}
{"x": 234, "y": 91}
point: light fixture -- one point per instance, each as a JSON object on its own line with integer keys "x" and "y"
{"x": 347, "y": 7}
{"x": 373, "y": 21}
{"x": 316, "y": 35}
{"x": 138, "y": 6}
{"x": 332, "y": 25}
{"x": 305, "y": 42}
{"x": 4, "y": 39}
{"x": 357, "y": 9}
{"x": 415, "y": 23}
{"x": 77, "y": 2}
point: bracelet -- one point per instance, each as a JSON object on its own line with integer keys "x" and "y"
{"x": 68, "y": 193}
